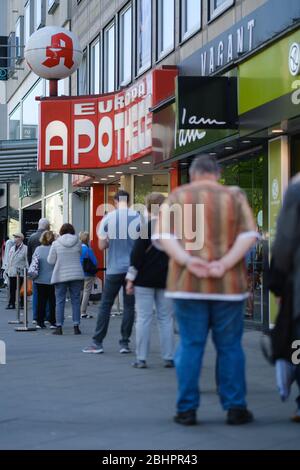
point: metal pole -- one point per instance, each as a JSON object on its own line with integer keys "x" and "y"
{"x": 25, "y": 328}
{"x": 18, "y": 321}
{"x": 53, "y": 87}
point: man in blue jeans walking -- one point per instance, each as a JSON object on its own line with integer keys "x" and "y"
{"x": 207, "y": 229}
{"x": 118, "y": 231}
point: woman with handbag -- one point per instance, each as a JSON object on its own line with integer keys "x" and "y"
{"x": 41, "y": 272}
{"x": 17, "y": 261}
{"x": 67, "y": 275}
{"x": 89, "y": 264}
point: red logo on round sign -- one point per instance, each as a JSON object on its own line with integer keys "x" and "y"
{"x": 61, "y": 47}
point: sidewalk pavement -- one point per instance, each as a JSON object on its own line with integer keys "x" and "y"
{"x": 52, "y": 396}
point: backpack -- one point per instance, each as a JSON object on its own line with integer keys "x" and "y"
{"x": 88, "y": 266}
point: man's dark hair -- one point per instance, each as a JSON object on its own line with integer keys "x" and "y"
{"x": 204, "y": 164}
{"x": 122, "y": 195}
{"x": 67, "y": 228}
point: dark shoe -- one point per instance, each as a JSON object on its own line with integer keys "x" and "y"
{"x": 237, "y": 416}
{"x": 187, "y": 418}
{"x": 77, "y": 330}
{"x": 10, "y": 307}
{"x": 58, "y": 331}
{"x": 84, "y": 315}
{"x": 169, "y": 364}
{"x": 139, "y": 364}
{"x": 125, "y": 350}
{"x": 296, "y": 417}
{"x": 94, "y": 349}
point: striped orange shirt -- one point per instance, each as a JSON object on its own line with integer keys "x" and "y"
{"x": 214, "y": 216}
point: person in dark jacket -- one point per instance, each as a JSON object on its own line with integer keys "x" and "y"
{"x": 286, "y": 263}
{"x": 33, "y": 243}
{"x": 147, "y": 277}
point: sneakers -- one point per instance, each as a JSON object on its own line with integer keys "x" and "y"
{"x": 93, "y": 349}
{"x": 237, "y": 416}
{"x": 125, "y": 350}
{"x": 52, "y": 327}
{"x": 169, "y": 363}
{"x": 10, "y": 307}
{"x": 140, "y": 364}
{"x": 77, "y": 330}
{"x": 58, "y": 331}
{"x": 34, "y": 322}
{"x": 187, "y": 418}
{"x": 40, "y": 326}
{"x": 84, "y": 315}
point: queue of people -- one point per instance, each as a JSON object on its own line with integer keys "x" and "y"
{"x": 173, "y": 269}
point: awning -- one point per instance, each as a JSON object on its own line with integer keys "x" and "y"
{"x": 17, "y": 157}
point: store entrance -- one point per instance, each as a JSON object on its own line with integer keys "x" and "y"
{"x": 250, "y": 174}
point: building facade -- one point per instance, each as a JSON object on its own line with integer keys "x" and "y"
{"x": 252, "y": 43}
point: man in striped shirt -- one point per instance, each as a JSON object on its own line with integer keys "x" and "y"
{"x": 207, "y": 229}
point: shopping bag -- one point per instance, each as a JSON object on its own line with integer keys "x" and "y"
{"x": 29, "y": 288}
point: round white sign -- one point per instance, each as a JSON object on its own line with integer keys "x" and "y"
{"x": 294, "y": 59}
{"x": 53, "y": 52}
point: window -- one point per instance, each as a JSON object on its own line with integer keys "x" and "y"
{"x": 27, "y": 21}
{"x": 30, "y": 112}
{"x": 126, "y": 46}
{"x": 109, "y": 58}
{"x": 39, "y": 14}
{"x": 190, "y": 17}
{"x": 144, "y": 19}
{"x": 218, "y": 6}
{"x": 19, "y": 39}
{"x": 82, "y": 88}
{"x": 95, "y": 67}
{"x": 11, "y": 54}
{"x": 14, "y": 123}
{"x": 52, "y": 5}
{"x": 165, "y": 27}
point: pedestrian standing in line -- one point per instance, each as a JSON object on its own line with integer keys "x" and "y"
{"x": 207, "y": 237}
{"x": 33, "y": 243}
{"x": 8, "y": 245}
{"x": 45, "y": 290}
{"x": 17, "y": 261}
{"x": 286, "y": 267}
{"x": 89, "y": 276}
{"x": 118, "y": 231}
{"x": 67, "y": 275}
{"x": 146, "y": 278}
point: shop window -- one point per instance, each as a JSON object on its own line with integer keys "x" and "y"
{"x": 14, "y": 123}
{"x": 109, "y": 58}
{"x": 39, "y": 13}
{"x": 165, "y": 27}
{"x": 95, "y": 67}
{"x": 144, "y": 35}
{"x": 190, "y": 17}
{"x": 218, "y": 6}
{"x": 54, "y": 211}
{"x": 19, "y": 51}
{"x": 82, "y": 88}
{"x": 30, "y": 112}
{"x": 125, "y": 46}
{"x": 146, "y": 184}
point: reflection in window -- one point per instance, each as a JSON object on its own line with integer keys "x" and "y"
{"x": 109, "y": 59}
{"x": 144, "y": 18}
{"x": 27, "y": 21}
{"x": 125, "y": 45}
{"x": 19, "y": 38}
{"x": 165, "y": 23}
{"x": 190, "y": 17}
{"x": 218, "y": 6}
{"x": 82, "y": 76}
{"x": 38, "y": 14}
{"x": 54, "y": 211}
{"x": 95, "y": 67}
{"x": 30, "y": 112}
{"x": 14, "y": 124}
{"x": 146, "y": 184}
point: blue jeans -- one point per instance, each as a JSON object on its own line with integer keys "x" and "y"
{"x": 195, "y": 318}
{"x": 61, "y": 288}
{"x": 112, "y": 285}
